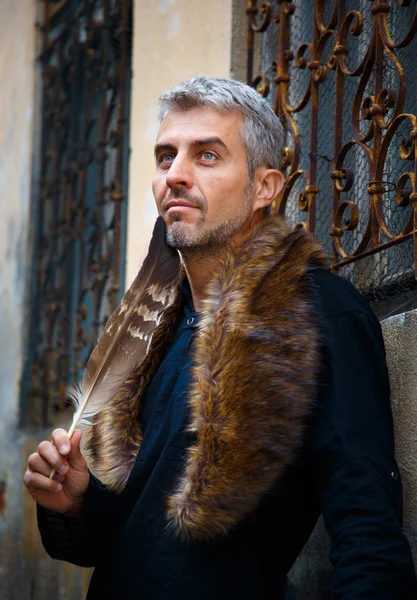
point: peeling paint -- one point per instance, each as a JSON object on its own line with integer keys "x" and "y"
{"x": 150, "y": 207}
{"x": 26, "y": 572}
{"x": 173, "y": 26}
{"x": 2, "y": 497}
{"x": 152, "y": 124}
{"x": 400, "y": 335}
{"x": 163, "y": 5}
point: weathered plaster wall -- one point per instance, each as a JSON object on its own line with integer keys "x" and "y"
{"x": 400, "y": 334}
{"x": 26, "y": 572}
{"x": 240, "y": 41}
{"x": 17, "y": 76}
{"x": 174, "y": 40}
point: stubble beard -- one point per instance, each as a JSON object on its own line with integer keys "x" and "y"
{"x": 197, "y": 241}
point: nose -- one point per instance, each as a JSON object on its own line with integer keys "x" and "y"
{"x": 180, "y": 173}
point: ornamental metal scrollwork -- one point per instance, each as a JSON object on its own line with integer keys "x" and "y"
{"x": 80, "y": 215}
{"x": 343, "y": 84}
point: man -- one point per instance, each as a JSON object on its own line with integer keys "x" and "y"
{"x": 262, "y": 402}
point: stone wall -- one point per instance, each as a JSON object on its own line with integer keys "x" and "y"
{"x": 400, "y": 335}
{"x": 17, "y": 93}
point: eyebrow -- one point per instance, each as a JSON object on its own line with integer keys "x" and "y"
{"x": 210, "y": 141}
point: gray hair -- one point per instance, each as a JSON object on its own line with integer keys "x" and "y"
{"x": 262, "y": 133}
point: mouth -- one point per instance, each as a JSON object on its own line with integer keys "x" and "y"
{"x": 179, "y": 206}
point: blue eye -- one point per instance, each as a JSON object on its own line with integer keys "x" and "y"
{"x": 166, "y": 158}
{"x": 207, "y": 155}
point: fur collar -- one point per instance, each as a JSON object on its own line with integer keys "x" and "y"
{"x": 253, "y": 384}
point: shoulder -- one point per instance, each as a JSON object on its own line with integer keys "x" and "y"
{"x": 336, "y": 296}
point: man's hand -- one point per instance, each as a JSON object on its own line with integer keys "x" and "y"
{"x": 65, "y": 492}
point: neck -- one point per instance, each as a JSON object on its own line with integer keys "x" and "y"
{"x": 201, "y": 270}
{"x": 202, "y": 264}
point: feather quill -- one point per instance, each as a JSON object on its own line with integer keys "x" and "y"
{"x": 123, "y": 344}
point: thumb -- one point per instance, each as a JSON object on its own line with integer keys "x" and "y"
{"x": 75, "y": 457}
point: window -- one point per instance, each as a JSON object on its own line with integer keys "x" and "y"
{"x": 341, "y": 77}
{"x": 79, "y": 218}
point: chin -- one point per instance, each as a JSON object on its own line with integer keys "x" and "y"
{"x": 181, "y": 235}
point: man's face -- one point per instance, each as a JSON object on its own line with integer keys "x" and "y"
{"x": 201, "y": 183}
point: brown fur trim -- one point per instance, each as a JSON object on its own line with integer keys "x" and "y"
{"x": 253, "y": 384}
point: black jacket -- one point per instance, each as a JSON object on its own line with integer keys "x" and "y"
{"x": 346, "y": 469}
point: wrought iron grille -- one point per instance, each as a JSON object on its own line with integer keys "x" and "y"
{"x": 341, "y": 75}
{"x": 80, "y": 216}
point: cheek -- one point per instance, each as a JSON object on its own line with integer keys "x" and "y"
{"x": 211, "y": 182}
{"x": 154, "y": 187}
{"x": 227, "y": 194}
{"x": 158, "y": 190}
{"x": 218, "y": 187}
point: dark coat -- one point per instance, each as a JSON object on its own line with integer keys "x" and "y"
{"x": 325, "y": 446}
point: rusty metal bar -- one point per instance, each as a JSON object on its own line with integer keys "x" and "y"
{"x": 79, "y": 234}
{"x": 367, "y": 56}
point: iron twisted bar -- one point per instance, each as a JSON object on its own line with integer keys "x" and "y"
{"x": 81, "y": 213}
{"x": 341, "y": 73}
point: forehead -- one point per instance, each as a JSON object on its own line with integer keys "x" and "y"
{"x": 202, "y": 122}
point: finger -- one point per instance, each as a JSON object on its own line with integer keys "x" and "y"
{"x": 36, "y": 481}
{"x": 61, "y": 440}
{"x": 50, "y": 454}
{"x": 75, "y": 440}
{"x": 75, "y": 457}
{"x": 27, "y": 480}
{"x": 38, "y": 464}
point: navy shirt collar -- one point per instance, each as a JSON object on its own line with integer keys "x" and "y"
{"x": 190, "y": 315}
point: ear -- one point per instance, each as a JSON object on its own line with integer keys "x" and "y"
{"x": 267, "y": 185}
